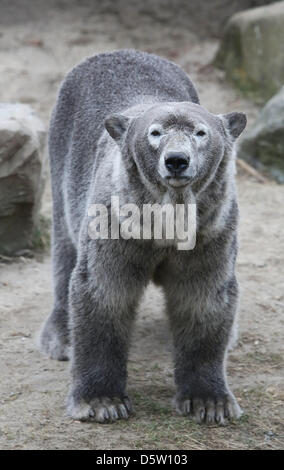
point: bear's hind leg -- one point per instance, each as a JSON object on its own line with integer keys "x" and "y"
{"x": 54, "y": 338}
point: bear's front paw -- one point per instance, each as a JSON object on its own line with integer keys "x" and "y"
{"x": 209, "y": 411}
{"x": 102, "y": 410}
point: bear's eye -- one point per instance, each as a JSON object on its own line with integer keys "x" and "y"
{"x": 155, "y": 133}
{"x": 200, "y": 133}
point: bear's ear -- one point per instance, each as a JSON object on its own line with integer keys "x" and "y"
{"x": 235, "y": 123}
{"x": 116, "y": 125}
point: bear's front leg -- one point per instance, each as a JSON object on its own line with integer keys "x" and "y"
{"x": 201, "y": 318}
{"x": 102, "y": 312}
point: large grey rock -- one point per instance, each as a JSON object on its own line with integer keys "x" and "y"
{"x": 263, "y": 145}
{"x": 252, "y": 51}
{"x": 22, "y": 138}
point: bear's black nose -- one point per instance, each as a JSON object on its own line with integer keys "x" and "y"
{"x": 176, "y": 162}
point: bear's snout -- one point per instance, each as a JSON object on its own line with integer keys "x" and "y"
{"x": 176, "y": 163}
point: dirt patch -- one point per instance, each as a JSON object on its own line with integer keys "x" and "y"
{"x": 34, "y": 57}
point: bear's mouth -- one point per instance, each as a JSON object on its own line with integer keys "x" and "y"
{"x": 178, "y": 181}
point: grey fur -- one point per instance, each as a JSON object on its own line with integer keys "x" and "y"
{"x": 98, "y": 283}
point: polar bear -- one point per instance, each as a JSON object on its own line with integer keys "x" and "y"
{"x": 129, "y": 124}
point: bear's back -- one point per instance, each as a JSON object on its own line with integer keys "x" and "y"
{"x": 107, "y": 83}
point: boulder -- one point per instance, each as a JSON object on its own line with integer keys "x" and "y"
{"x": 263, "y": 145}
{"x": 22, "y": 138}
{"x": 252, "y": 52}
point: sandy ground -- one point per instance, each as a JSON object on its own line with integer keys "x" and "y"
{"x": 35, "y": 54}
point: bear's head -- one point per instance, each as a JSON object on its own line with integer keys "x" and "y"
{"x": 176, "y": 145}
